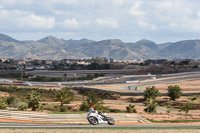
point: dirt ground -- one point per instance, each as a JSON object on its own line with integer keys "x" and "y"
{"x": 92, "y": 131}
{"x": 124, "y": 101}
{"x": 186, "y": 86}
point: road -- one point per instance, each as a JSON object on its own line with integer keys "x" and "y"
{"x": 155, "y": 82}
{"x": 35, "y": 125}
{"x": 81, "y": 73}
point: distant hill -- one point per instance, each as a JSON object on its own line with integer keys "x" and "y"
{"x": 188, "y": 49}
{"x": 164, "y": 45}
{"x": 7, "y": 38}
{"x": 52, "y": 41}
{"x": 54, "y": 48}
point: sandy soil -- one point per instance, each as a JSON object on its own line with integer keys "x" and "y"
{"x": 92, "y": 131}
{"x": 186, "y": 86}
{"x": 4, "y": 94}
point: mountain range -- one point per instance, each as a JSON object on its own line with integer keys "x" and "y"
{"x": 54, "y": 48}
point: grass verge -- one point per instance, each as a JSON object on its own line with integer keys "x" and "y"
{"x": 76, "y": 112}
{"x": 173, "y": 121}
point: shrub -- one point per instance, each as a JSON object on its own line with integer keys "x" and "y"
{"x": 63, "y": 109}
{"x": 34, "y": 100}
{"x": 10, "y": 100}
{"x": 84, "y": 106}
{"x": 174, "y": 92}
{"x": 151, "y": 105}
{"x": 151, "y": 92}
{"x": 99, "y": 106}
{"x": 45, "y": 79}
{"x": 15, "y": 102}
{"x": 6, "y": 89}
{"x": 131, "y": 108}
{"x": 22, "y": 107}
{"x": 3, "y": 104}
{"x": 55, "y": 108}
{"x": 187, "y": 106}
{"x": 47, "y": 107}
{"x": 193, "y": 98}
{"x": 115, "y": 96}
{"x": 116, "y": 111}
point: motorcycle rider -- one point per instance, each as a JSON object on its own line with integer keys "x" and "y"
{"x": 91, "y": 109}
{"x": 95, "y": 117}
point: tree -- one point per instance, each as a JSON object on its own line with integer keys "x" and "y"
{"x": 174, "y": 92}
{"x": 63, "y": 95}
{"x": 187, "y": 106}
{"x": 34, "y": 100}
{"x": 3, "y": 104}
{"x": 93, "y": 98}
{"x": 97, "y": 60}
{"x": 151, "y": 92}
{"x": 131, "y": 109}
{"x": 151, "y": 105}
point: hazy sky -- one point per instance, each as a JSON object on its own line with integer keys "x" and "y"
{"x": 128, "y": 20}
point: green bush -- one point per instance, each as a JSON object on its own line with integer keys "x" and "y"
{"x": 45, "y": 79}
{"x": 15, "y": 101}
{"x": 187, "y": 106}
{"x": 10, "y": 100}
{"x": 131, "y": 108}
{"x": 116, "y": 111}
{"x": 84, "y": 106}
{"x": 151, "y": 92}
{"x": 55, "y": 108}
{"x": 51, "y": 108}
{"x": 3, "y": 104}
{"x": 115, "y": 96}
{"x": 193, "y": 98}
{"x": 6, "y": 89}
{"x": 22, "y": 107}
{"x": 174, "y": 92}
{"x": 151, "y": 105}
{"x": 63, "y": 109}
{"x": 47, "y": 107}
{"x": 99, "y": 106}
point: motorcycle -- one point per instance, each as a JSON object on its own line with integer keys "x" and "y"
{"x": 96, "y": 118}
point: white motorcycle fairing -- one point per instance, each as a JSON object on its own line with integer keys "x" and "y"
{"x": 98, "y": 117}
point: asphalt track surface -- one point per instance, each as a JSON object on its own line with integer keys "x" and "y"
{"x": 167, "y": 81}
{"x": 36, "y": 125}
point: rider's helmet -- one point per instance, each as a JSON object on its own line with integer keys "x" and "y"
{"x": 91, "y": 109}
